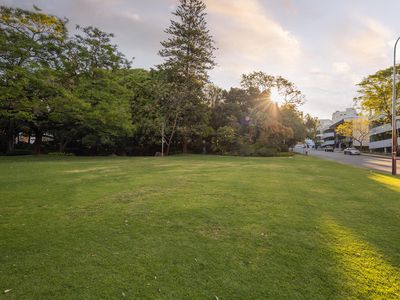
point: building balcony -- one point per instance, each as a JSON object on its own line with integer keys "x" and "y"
{"x": 382, "y": 144}
{"x": 327, "y": 135}
{"x": 380, "y": 129}
{"x": 328, "y": 143}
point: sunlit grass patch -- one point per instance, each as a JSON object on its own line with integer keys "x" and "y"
{"x": 388, "y": 181}
{"x": 366, "y": 273}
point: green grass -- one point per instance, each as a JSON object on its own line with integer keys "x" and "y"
{"x": 197, "y": 227}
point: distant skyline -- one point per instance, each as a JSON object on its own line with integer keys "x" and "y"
{"x": 325, "y": 48}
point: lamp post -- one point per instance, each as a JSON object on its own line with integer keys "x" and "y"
{"x": 394, "y": 114}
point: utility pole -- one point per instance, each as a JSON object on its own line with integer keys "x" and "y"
{"x": 394, "y": 114}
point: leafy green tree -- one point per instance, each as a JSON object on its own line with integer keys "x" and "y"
{"x": 288, "y": 90}
{"x": 93, "y": 72}
{"x": 108, "y": 117}
{"x": 223, "y": 140}
{"x": 232, "y": 110}
{"x": 29, "y": 42}
{"x": 311, "y": 124}
{"x": 49, "y": 104}
{"x": 292, "y": 118}
{"x": 275, "y": 134}
{"x": 259, "y": 80}
{"x": 80, "y": 90}
{"x": 188, "y": 54}
{"x": 375, "y": 94}
{"x": 357, "y": 130}
{"x": 265, "y": 83}
{"x": 147, "y": 118}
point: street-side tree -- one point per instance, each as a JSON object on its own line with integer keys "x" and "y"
{"x": 356, "y": 129}
{"x": 311, "y": 124}
{"x": 375, "y": 94}
{"x": 188, "y": 54}
{"x": 345, "y": 129}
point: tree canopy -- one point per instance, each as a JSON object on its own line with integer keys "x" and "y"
{"x": 375, "y": 94}
{"x": 76, "y": 92}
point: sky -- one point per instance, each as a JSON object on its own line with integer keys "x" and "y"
{"x": 324, "y": 47}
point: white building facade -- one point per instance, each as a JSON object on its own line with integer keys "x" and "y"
{"x": 327, "y": 136}
{"x": 380, "y": 136}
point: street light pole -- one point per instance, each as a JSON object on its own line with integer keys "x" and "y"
{"x": 394, "y": 114}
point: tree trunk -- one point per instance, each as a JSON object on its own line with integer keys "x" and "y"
{"x": 172, "y": 132}
{"x": 184, "y": 145}
{"x": 167, "y": 152}
{"x": 10, "y": 136}
{"x": 37, "y": 145}
{"x": 61, "y": 147}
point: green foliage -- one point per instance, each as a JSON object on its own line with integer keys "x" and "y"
{"x": 292, "y": 118}
{"x": 375, "y": 94}
{"x": 30, "y": 44}
{"x": 79, "y": 91}
{"x": 265, "y": 83}
{"x": 276, "y": 135}
{"x": 257, "y": 149}
{"x": 188, "y": 54}
{"x": 311, "y": 124}
{"x": 189, "y": 49}
{"x": 64, "y": 85}
{"x": 223, "y": 140}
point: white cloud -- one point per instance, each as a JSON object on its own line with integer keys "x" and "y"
{"x": 341, "y": 67}
{"x": 366, "y": 41}
{"x": 131, "y": 16}
{"x": 248, "y": 37}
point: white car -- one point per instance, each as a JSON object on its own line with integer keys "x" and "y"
{"x": 351, "y": 151}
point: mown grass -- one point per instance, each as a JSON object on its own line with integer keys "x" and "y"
{"x": 197, "y": 227}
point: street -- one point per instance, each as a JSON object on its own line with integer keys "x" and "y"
{"x": 382, "y": 164}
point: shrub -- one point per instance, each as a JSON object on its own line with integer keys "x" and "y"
{"x": 18, "y": 152}
{"x": 265, "y": 151}
{"x": 257, "y": 150}
{"x": 60, "y": 154}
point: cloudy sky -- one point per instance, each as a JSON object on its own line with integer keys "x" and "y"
{"x": 325, "y": 47}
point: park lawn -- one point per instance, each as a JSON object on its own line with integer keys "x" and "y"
{"x": 197, "y": 227}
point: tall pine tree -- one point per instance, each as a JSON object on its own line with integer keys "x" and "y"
{"x": 188, "y": 54}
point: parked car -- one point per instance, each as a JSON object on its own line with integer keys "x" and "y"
{"x": 328, "y": 149}
{"x": 351, "y": 151}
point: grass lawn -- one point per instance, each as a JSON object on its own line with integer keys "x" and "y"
{"x": 197, "y": 227}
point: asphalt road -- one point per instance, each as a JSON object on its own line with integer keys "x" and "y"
{"x": 382, "y": 164}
